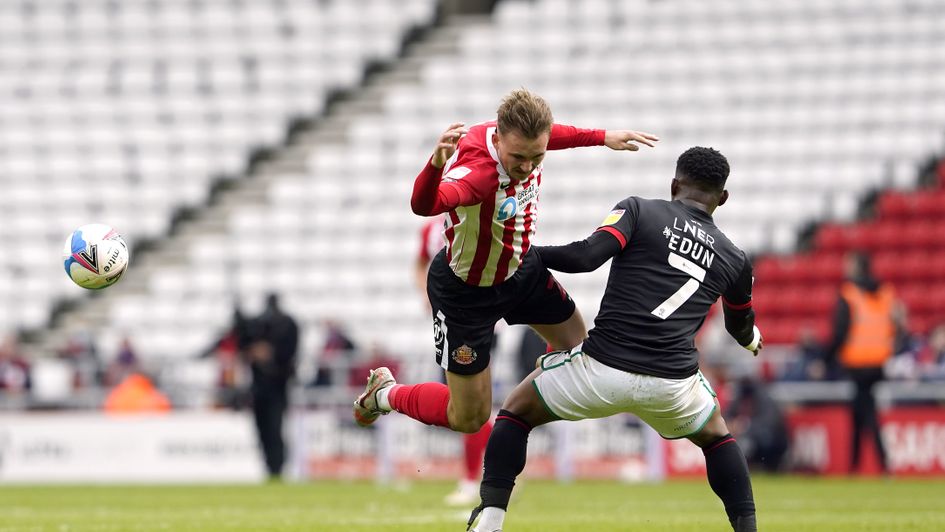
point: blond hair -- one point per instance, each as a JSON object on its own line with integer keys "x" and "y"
{"x": 524, "y": 112}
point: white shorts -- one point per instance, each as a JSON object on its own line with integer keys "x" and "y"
{"x": 574, "y": 386}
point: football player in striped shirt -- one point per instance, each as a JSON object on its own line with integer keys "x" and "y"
{"x": 486, "y": 179}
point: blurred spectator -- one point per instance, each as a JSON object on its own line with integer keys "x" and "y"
{"x": 125, "y": 363}
{"x": 809, "y": 363}
{"x": 337, "y": 349}
{"x": 757, "y": 422}
{"x": 14, "y": 368}
{"x": 136, "y": 394}
{"x": 80, "y": 352}
{"x": 273, "y": 340}
{"x": 930, "y": 358}
{"x": 864, "y": 335}
{"x": 228, "y": 351}
{"x": 378, "y": 356}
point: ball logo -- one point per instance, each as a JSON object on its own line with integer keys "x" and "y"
{"x": 507, "y": 209}
{"x": 88, "y": 258}
{"x": 464, "y": 355}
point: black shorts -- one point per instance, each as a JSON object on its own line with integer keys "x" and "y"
{"x": 464, "y": 316}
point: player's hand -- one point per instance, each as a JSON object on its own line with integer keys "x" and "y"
{"x": 446, "y": 146}
{"x": 624, "y": 139}
{"x": 757, "y": 342}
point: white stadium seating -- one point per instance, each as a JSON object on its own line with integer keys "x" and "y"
{"x": 123, "y": 112}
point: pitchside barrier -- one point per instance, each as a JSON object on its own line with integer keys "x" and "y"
{"x": 220, "y": 446}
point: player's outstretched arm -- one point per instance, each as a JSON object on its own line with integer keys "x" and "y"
{"x": 582, "y": 256}
{"x": 564, "y": 136}
{"x": 625, "y": 139}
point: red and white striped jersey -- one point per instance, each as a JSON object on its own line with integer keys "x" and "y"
{"x": 492, "y": 218}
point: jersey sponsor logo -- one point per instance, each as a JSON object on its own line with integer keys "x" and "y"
{"x": 456, "y": 173}
{"x": 699, "y": 249}
{"x": 510, "y": 206}
{"x": 464, "y": 355}
{"x": 614, "y": 217}
{"x": 507, "y": 209}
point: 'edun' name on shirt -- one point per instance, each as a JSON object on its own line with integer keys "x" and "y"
{"x": 698, "y": 247}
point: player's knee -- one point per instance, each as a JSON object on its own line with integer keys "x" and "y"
{"x": 471, "y": 422}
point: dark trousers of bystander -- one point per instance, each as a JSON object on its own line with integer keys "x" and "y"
{"x": 865, "y": 418}
{"x": 269, "y": 407}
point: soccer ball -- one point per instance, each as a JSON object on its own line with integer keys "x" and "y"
{"x": 95, "y": 256}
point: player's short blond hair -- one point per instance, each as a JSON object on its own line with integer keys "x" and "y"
{"x": 524, "y": 112}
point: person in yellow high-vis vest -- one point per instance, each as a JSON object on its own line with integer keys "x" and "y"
{"x": 864, "y": 336}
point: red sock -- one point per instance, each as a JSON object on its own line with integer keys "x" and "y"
{"x": 424, "y": 402}
{"x": 474, "y": 447}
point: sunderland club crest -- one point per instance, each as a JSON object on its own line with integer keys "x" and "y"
{"x": 464, "y": 355}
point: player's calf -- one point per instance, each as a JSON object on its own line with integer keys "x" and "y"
{"x": 727, "y": 471}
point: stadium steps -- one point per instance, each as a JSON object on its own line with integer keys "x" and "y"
{"x": 324, "y": 133}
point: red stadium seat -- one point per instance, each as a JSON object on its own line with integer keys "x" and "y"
{"x": 885, "y": 235}
{"x": 916, "y": 297}
{"x": 937, "y": 240}
{"x": 918, "y": 234}
{"x": 893, "y": 206}
{"x": 768, "y": 270}
{"x": 823, "y": 299}
{"x": 913, "y": 266}
{"x": 930, "y": 204}
{"x": 831, "y": 237}
{"x": 860, "y": 237}
{"x": 764, "y": 300}
{"x": 886, "y": 266}
{"x": 827, "y": 267}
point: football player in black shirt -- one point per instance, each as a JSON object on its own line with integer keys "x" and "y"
{"x": 670, "y": 264}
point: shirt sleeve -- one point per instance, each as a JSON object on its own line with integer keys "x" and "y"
{"x": 621, "y": 222}
{"x": 736, "y": 306}
{"x": 582, "y": 256}
{"x": 435, "y": 193}
{"x": 564, "y": 136}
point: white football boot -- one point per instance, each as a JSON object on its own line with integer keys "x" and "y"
{"x": 366, "y": 410}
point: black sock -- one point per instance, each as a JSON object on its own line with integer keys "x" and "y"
{"x": 728, "y": 476}
{"x": 504, "y": 459}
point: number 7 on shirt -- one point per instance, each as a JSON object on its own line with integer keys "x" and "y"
{"x": 673, "y": 302}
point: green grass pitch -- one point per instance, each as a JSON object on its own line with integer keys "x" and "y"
{"x": 784, "y": 504}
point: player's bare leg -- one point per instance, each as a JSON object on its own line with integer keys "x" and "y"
{"x": 564, "y": 335}
{"x": 470, "y": 403}
{"x": 727, "y": 471}
{"x": 505, "y": 453}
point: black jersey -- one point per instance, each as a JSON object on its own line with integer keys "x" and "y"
{"x": 674, "y": 265}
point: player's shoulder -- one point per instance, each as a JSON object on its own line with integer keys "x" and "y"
{"x": 478, "y": 135}
{"x": 738, "y": 254}
{"x": 638, "y": 204}
{"x": 474, "y": 158}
